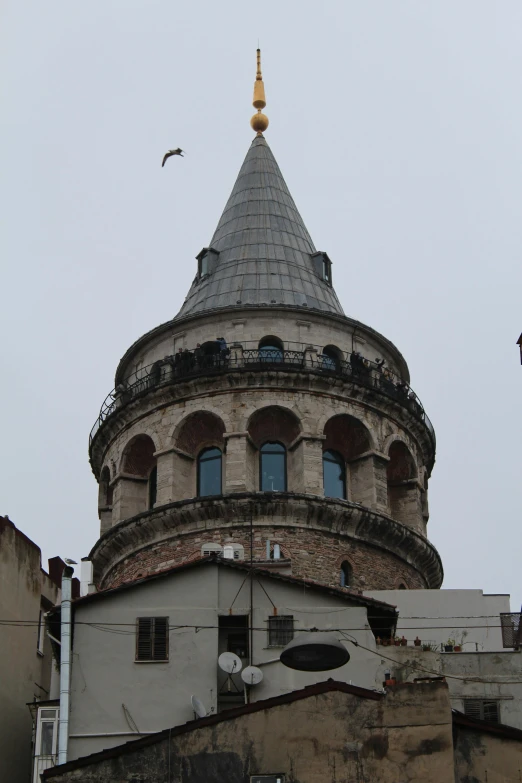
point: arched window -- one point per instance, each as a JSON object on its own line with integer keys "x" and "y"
{"x": 334, "y": 475}
{"x": 209, "y": 472}
{"x": 105, "y": 491}
{"x": 153, "y": 486}
{"x": 346, "y": 575}
{"x": 331, "y": 358}
{"x": 402, "y": 586}
{"x": 271, "y": 349}
{"x": 272, "y": 467}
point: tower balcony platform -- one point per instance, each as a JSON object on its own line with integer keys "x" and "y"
{"x": 208, "y": 361}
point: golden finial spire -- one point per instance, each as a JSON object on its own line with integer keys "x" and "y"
{"x": 259, "y": 121}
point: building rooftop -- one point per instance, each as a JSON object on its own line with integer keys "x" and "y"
{"x": 261, "y": 252}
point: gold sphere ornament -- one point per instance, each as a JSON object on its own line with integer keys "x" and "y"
{"x": 259, "y": 122}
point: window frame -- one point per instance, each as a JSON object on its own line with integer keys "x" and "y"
{"x": 276, "y": 635}
{"x": 342, "y": 463}
{"x": 209, "y": 459}
{"x": 342, "y": 575}
{"x": 285, "y": 465}
{"x": 153, "y": 621}
{"x": 472, "y": 706}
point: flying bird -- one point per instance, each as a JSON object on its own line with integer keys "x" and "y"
{"x": 69, "y": 562}
{"x": 169, "y": 154}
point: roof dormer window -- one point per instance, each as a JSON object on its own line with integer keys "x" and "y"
{"x": 326, "y": 269}
{"x": 206, "y": 261}
{"x": 323, "y": 266}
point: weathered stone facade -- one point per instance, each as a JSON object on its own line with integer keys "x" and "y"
{"x": 330, "y": 384}
{"x": 330, "y": 731}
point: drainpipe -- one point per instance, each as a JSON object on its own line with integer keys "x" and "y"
{"x": 65, "y": 664}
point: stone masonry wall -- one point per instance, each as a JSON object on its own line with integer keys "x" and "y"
{"x": 313, "y": 555}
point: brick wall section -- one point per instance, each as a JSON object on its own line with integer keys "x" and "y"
{"x": 314, "y": 555}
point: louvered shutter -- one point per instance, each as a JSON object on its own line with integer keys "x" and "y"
{"x": 161, "y": 639}
{"x": 482, "y": 710}
{"x": 152, "y": 642}
{"x": 144, "y": 638}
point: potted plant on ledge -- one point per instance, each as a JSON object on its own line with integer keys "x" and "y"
{"x": 450, "y": 644}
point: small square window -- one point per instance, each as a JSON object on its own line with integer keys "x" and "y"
{"x": 482, "y": 709}
{"x": 280, "y": 630}
{"x": 152, "y": 639}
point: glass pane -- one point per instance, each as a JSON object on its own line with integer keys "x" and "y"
{"x": 46, "y": 743}
{"x": 210, "y": 473}
{"x": 328, "y": 362}
{"x": 273, "y": 477}
{"x": 333, "y": 474}
{"x": 47, "y": 714}
{"x": 271, "y": 353}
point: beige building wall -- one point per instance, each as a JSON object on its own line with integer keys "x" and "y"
{"x": 337, "y": 735}
{"x": 25, "y": 653}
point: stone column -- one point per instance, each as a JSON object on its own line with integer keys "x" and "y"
{"x": 367, "y": 480}
{"x": 176, "y": 476}
{"x": 129, "y": 498}
{"x": 236, "y": 355}
{"x": 310, "y": 357}
{"x": 406, "y": 504}
{"x": 240, "y": 462}
{"x": 305, "y": 464}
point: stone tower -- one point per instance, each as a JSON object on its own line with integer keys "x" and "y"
{"x": 261, "y": 422}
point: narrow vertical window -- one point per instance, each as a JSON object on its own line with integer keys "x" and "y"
{"x": 152, "y": 639}
{"x": 209, "y": 472}
{"x": 326, "y": 270}
{"x": 346, "y": 575}
{"x": 273, "y": 467}
{"x": 334, "y": 475}
{"x": 153, "y": 486}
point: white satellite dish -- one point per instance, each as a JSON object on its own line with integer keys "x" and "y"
{"x": 230, "y": 663}
{"x": 199, "y": 708}
{"x": 252, "y": 675}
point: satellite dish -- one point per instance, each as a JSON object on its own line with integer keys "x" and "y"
{"x": 230, "y": 663}
{"x": 198, "y": 707}
{"x": 252, "y": 675}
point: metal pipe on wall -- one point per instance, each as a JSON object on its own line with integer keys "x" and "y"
{"x": 65, "y": 664}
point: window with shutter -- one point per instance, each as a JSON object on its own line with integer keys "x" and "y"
{"x": 482, "y": 710}
{"x": 280, "y": 630}
{"x": 152, "y": 639}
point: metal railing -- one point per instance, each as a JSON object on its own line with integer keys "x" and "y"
{"x": 190, "y": 364}
{"x": 511, "y": 629}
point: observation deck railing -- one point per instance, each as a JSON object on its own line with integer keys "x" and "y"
{"x": 239, "y": 357}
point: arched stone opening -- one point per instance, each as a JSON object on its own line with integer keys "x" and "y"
{"x": 331, "y": 358}
{"x": 346, "y": 574}
{"x": 404, "y": 494}
{"x": 190, "y": 468}
{"x": 273, "y": 432}
{"x": 198, "y": 431}
{"x": 105, "y": 499}
{"x": 136, "y": 486}
{"x": 348, "y": 437}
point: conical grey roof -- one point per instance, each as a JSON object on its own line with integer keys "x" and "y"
{"x": 265, "y": 251}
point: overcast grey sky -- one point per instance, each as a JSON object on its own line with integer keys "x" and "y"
{"x": 398, "y": 128}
